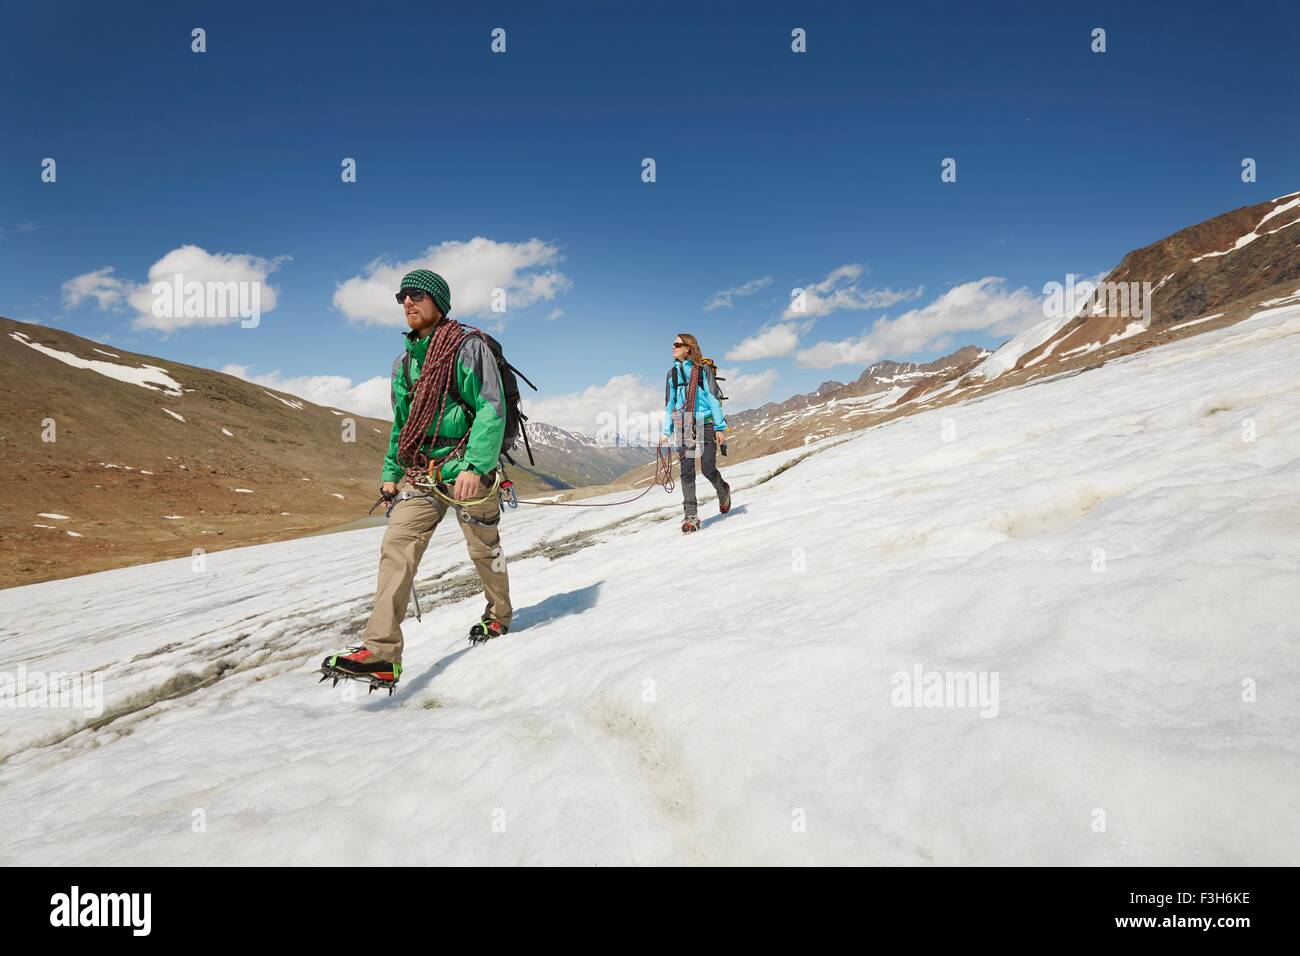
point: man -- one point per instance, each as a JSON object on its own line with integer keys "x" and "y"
{"x": 449, "y": 418}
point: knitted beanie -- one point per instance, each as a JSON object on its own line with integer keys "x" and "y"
{"x": 431, "y": 283}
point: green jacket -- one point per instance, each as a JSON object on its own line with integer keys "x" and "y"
{"x": 478, "y": 380}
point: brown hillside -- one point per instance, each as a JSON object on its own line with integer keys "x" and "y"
{"x": 120, "y": 464}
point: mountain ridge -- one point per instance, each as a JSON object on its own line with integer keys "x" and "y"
{"x": 1213, "y": 273}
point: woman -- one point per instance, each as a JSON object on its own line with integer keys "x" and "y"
{"x": 693, "y": 411}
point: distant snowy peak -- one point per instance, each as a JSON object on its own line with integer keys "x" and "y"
{"x": 540, "y": 433}
{"x": 887, "y": 373}
{"x": 883, "y": 387}
{"x": 552, "y": 436}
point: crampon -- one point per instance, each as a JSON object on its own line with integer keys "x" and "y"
{"x": 485, "y": 630}
{"x": 359, "y": 664}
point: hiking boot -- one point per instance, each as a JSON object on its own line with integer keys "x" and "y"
{"x": 689, "y": 524}
{"x": 724, "y": 501}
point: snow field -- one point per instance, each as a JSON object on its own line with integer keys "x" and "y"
{"x": 1118, "y": 546}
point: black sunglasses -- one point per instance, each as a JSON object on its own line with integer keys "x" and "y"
{"x": 679, "y": 345}
{"x": 417, "y": 295}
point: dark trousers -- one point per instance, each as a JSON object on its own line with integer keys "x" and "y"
{"x": 706, "y": 449}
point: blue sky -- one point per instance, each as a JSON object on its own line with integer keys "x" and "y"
{"x": 774, "y": 169}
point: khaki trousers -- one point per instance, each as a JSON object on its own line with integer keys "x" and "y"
{"x": 409, "y": 528}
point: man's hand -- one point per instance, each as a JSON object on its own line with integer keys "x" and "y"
{"x": 467, "y": 486}
{"x": 388, "y": 489}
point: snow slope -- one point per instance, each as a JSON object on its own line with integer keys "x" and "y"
{"x": 1109, "y": 543}
{"x": 1010, "y": 352}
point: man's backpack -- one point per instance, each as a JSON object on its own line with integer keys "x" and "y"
{"x": 515, "y": 416}
{"x": 674, "y": 380}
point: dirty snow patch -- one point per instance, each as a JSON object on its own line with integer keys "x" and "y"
{"x": 1185, "y": 325}
{"x": 292, "y": 404}
{"x": 1285, "y": 300}
{"x": 1254, "y": 234}
{"x": 1132, "y": 329}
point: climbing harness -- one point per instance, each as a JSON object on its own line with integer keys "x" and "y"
{"x": 437, "y": 490}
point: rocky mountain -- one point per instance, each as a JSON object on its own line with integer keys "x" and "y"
{"x": 1212, "y": 273}
{"x": 111, "y": 458}
{"x": 835, "y": 406}
{"x": 1203, "y": 277}
{"x": 570, "y": 459}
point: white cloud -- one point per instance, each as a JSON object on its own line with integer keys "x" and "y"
{"x": 108, "y": 291}
{"x": 839, "y": 290}
{"x": 625, "y": 404}
{"x": 745, "y": 390}
{"x": 772, "y": 341}
{"x": 333, "y": 391}
{"x": 723, "y": 299}
{"x": 194, "y": 265}
{"x": 983, "y": 305}
{"x": 473, "y": 269}
{"x": 554, "y": 314}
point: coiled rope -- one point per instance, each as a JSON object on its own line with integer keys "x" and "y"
{"x": 663, "y": 478}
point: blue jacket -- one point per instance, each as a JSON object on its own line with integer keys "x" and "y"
{"x": 707, "y": 406}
